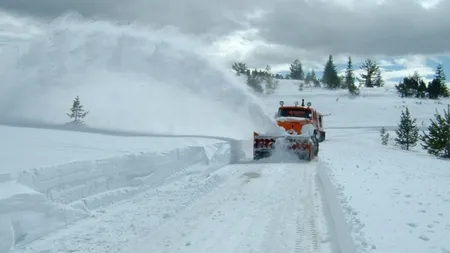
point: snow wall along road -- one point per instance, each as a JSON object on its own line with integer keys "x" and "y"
{"x": 129, "y": 78}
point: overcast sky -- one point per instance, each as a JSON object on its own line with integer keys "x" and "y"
{"x": 262, "y": 32}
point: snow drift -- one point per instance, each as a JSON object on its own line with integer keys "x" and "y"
{"x": 129, "y": 77}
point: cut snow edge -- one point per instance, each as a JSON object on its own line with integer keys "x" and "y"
{"x": 39, "y": 201}
{"x": 342, "y": 229}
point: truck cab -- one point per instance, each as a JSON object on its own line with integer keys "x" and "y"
{"x": 294, "y": 118}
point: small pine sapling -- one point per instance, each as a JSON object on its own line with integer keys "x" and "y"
{"x": 407, "y": 131}
{"x": 77, "y": 112}
{"x": 384, "y": 136}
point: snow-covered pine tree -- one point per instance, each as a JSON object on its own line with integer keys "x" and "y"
{"x": 240, "y": 68}
{"x": 330, "y": 75}
{"x": 254, "y": 80}
{"x": 77, "y": 112}
{"x": 271, "y": 85}
{"x": 350, "y": 79}
{"x": 407, "y": 131}
{"x": 296, "y": 69}
{"x": 379, "y": 82}
{"x": 301, "y": 86}
{"x": 384, "y": 136}
{"x": 437, "y": 141}
{"x": 271, "y": 82}
{"x": 370, "y": 69}
{"x": 441, "y": 77}
{"x": 308, "y": 78}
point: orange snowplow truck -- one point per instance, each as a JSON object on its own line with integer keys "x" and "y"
{"x": 304, "y": 131}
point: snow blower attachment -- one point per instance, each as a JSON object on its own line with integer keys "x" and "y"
{"x": 304, "y": 131}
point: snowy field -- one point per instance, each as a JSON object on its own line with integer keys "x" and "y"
{"x": 391, "y": 200}
{"x": 66, "y": 191}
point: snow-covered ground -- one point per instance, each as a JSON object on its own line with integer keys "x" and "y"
{"x": 238, "y": 208}
{"x": 51, "y": 178}
{"x": 130, "y": 79}
{"x": 387, "y": 199}
{"x": 65, "y": 191}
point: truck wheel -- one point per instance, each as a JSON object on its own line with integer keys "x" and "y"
{"x": 321, "y": 136}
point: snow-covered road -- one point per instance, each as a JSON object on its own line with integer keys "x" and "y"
{"x": 254, "y": 207}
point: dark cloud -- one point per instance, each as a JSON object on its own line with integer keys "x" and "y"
{"x": 394, "y": 28}
{"x": 194, "y": 16}
{"x": 309, "y": 31}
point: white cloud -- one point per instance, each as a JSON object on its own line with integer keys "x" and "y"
{"x": 385, "y": 63}
{"x": 236, "y": 46}
{"x": 428, "y": 4}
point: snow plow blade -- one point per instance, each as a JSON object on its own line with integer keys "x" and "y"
{"x": 302, "y": 146}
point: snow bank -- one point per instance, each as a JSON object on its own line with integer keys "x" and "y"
{"x": 38, "y": 201}
{"x": 24, "y": 148}
{"x": 386, "y": 199}
{"x": 129, "y": 77}
{"x": 333, "y": 197}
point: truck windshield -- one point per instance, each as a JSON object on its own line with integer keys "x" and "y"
{"x": 295, "y": 112}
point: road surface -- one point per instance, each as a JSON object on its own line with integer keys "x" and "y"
{"x": 253, "y": 207}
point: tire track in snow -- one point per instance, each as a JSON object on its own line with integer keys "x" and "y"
{"x": 308, "y": 235}
{"x": 229, "y": 212}
{"x": 275, "y": 225}
{"x": 273, "y": 210}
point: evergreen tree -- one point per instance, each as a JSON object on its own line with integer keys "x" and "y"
{"x": 257, "y": 78}
{"x": 437, "y": 142}
{"x": 378, "y": 79}
{"x": 308, "y": 78}
{"x": 330, "y": 75}
{"x": 350, "y": 78}
{"x": 419, "y": 85}
{"x": 412, "y": 86}
{"x": 422, "y": 90}
{"x": 279, "y": 76}
{"x": 254, "y": 81}
{"x": 271, "y": 84}
{"x": 297, "y": 71}
{"x": 407, "y": 131}
{"x": 402, "y": 88}
{"x": 434, "y": 89}
{"x": 440, "y": 76}
{"x": 370, "y": 68}
{"x": 301, "y": 86}
{"x": 77, "y": 112}
{"x": 240, "y": 68}
{"x": 349, "y": 75}
{"x": 384, "y": 136}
